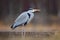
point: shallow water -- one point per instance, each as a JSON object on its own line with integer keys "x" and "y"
{"x": 38, "y": 32}
{"x": 28, "y": 36}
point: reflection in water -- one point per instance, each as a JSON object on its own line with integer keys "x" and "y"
{"x": 28, "y": 36}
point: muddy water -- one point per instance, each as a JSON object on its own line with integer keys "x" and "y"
{"x": 29, "y": 36}
{"x": 38, "y": 32}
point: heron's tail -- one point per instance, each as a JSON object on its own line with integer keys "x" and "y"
{"x": 13, "y": 27}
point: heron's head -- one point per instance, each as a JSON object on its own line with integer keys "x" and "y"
{"x": 34, "y": 10}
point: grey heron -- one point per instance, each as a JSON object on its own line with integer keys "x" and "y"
{"x": 24, "y": 18}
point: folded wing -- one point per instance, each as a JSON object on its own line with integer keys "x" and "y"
{"x": 21, "y": 19}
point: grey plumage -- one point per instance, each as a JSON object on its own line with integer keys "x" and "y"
{"x": 23, "y": 19}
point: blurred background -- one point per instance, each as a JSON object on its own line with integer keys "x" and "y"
{"x": 46, "y": 21}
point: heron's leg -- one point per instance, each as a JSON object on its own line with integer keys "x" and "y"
{"x": 23, "y": 32}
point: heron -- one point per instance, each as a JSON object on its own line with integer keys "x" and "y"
{"x": 24, "y": 18}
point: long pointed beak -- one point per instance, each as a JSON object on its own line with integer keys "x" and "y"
{"x": 36, "y": 9}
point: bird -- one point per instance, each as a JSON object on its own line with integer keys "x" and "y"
{"x": 24, "y": 18}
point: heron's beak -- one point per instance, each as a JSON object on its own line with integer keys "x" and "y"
{"x": 36, "y": 10}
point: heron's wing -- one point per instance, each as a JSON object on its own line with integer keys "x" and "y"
{"x": 31, "y": 17}
{"x": 21, "y": 19}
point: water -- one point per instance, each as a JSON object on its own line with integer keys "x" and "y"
{"x": 27, "y": 36}
{"x": 26, "y": 33}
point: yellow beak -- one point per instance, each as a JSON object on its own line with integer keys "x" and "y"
{"x": 36, "y": 10}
